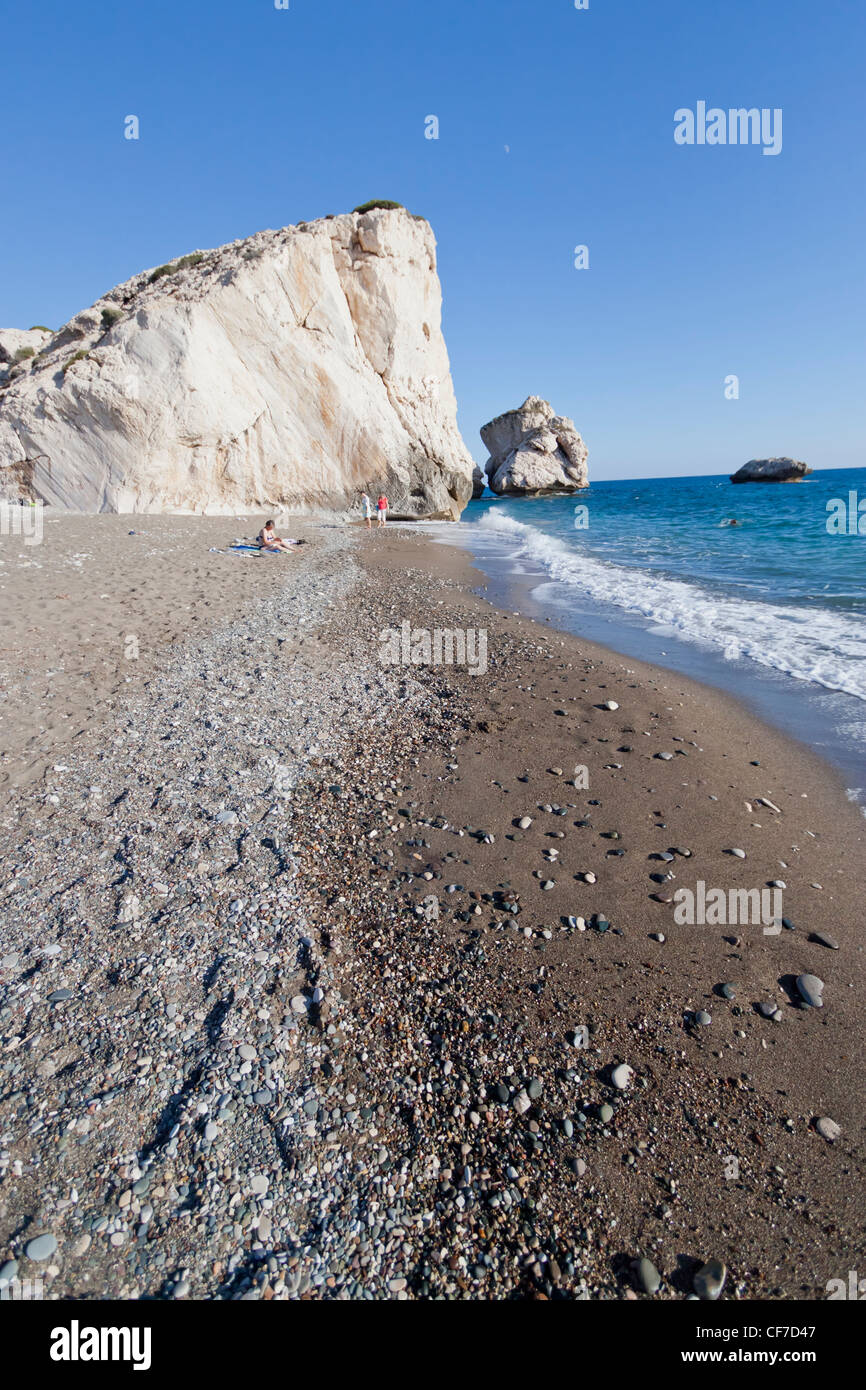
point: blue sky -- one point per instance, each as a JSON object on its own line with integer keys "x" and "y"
{"x": 704, "y": 261}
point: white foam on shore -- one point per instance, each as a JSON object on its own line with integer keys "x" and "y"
{"x": 809, "y": 644}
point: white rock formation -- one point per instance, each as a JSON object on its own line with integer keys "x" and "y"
{"x": 295, "y": 369}
{"x": 532, "y": 450}
{"x": 17, "y": 347}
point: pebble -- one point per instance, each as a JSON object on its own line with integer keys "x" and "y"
{"x": 648, "y": 1276}
{"x": 710, "y": 1280}
{"x": 811, "y": 989}
{"x": 611, "y": 705}
{"x": 57, "y": 996}
{"x": 824, "y": 939}
{"x": 521, "y": 1102}
{"x": 737, "y": 853}
{"x": 41, "y": 1247}
{"x": 621, "y": 1076}
{"x": 703, "y": 1018}
{"x": 525, "y": 822}
{"x": 828, "y": 1129}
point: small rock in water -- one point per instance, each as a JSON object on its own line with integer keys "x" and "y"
{"x": 828, "y": 1129}
{"x": 811, "y": 989}
{"x": 710, "y": 1280}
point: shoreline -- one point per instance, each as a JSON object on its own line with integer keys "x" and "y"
{"x": 245, "y": 856}
{"x": 828, "y": 722}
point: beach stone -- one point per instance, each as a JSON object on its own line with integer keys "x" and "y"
{"x": 703, "y": 1018}
{"x": 737, "y": 853}
{"x": 57, "y": 996}
{"x": 766, "y": 1009}
{"x": 824, "y": 939}
{"x": 621, "y": 1076}
{"x": 665, "y": 757}
{"x": 605, "y": 1113}
{"x": 657, "y": 936}
{"x": 710, "y": 1280}
{"x": 811, "y": 988}
{"x": 828, "y": 1129}
{"x": 648, "y": 1276}
{"x": 525, "y": 822}
{"x": 611, "y": 705}
{"x": 299, "y": 1004}
{"x": 727, "y": 991}
{"x": 41, "y": 1247}
{"x": 521, "y": 1102}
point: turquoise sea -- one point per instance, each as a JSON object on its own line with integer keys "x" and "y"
{"x": 772, "y": 608}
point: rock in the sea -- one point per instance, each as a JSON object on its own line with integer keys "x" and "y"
{"x": 479, "y": 482}
{"x": 781, "y": 470}
{"x": 299, "y": 367}
{"x": 532, "y": 450}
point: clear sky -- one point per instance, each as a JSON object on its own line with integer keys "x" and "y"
{"x": 556, "y": 129}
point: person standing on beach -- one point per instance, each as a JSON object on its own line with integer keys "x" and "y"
{"x": 368, "y": 509}
{"x": 382, "y": 509}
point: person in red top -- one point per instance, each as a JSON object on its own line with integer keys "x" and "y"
{"x": 382, "y": 509}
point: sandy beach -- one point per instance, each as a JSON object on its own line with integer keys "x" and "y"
{"x": 326, "y": 977}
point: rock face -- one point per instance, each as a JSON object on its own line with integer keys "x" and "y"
{"x": 17, "y": 347}
{"x": 296, "y": 369}
{"x": 770, "y": 471}
{"x": 532, "y": 450}
{"x": 479, "y": 482}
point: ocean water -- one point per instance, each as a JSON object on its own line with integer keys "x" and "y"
{"x": 772, "y": 608}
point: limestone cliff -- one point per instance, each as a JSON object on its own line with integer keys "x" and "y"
{"x": 297, "y": 368}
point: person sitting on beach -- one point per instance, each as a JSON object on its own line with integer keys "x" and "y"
{"x": 267, "y": 539}
{"x": 382, "y": 509}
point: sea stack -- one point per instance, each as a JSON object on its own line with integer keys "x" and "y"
{"x": 295, "y": 369}
{"x": 780, "y": 470}
{"x": 534, "y": 451}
